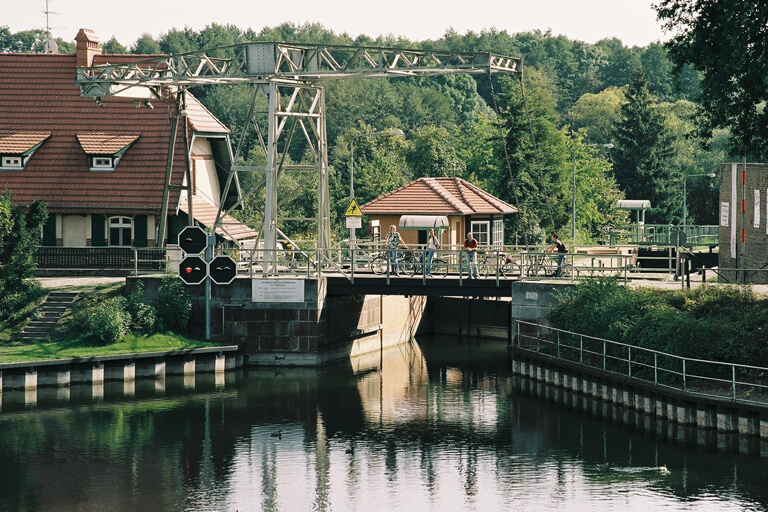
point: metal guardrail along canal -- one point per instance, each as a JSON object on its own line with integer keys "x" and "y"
{"x": 714, "y": 379}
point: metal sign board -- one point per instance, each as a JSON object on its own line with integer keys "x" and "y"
{"x": 193, "y": 240}
{"x": 353, "y": 210}
{"x": 193, "y": 270}
{"x": 278, "y": 290}
{"x": 354, "y": 222}
{"x": 222, "y": 269}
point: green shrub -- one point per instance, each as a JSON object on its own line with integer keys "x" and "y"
{"x": 143, "y": 315}
{"x": 105, "y": 323}
{"x": 175, "y": 305}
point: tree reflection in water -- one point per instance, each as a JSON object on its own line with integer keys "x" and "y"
{"x": 436, "y": 425}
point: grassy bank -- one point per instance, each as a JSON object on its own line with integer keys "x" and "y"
{"x": 717, "y": 323}
{"x": 67, "y": 341}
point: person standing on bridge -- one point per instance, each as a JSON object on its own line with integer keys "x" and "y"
{"x": 394, "y": 241}
{"x": 433, "y": 244}
{"x": 561, "y": 250}
{"x": 470, "y": 245}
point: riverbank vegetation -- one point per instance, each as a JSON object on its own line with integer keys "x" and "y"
{"x": 719, "y": 323}
{"x": 103, "y": 321}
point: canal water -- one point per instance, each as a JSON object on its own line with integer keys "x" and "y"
{"x": 440, "y": 425}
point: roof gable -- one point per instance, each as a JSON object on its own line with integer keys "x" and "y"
{"x": 438, "y": 196}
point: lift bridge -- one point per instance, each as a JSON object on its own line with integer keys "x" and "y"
{"x": 288, "y": 76}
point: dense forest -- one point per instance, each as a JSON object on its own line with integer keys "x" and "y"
{"x": 522, "y": 140}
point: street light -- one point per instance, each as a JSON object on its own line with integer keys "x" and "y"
{"x": 685, "y": 192}
{"x": 573, "y": 199}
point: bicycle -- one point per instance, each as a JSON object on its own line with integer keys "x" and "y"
{"x": 544, "y": 265}
{"x": 439, "y": 266}
{"x": 507, "y": 265}
{"x": 406, "y": 264}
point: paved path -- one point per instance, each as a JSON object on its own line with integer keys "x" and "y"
{"x": 65, "y": 282}
{"x": 664, "y": 281}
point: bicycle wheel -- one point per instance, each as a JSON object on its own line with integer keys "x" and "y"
{"x": 484, "y": 268}
{"x": 511, "y": 269}
{"x": 570, "y": 271}
{"x": 439, "y": 268}
{"x": 407, "y": 266}
{"x": 379, "y": 265}
{"x": 539, "y": 270}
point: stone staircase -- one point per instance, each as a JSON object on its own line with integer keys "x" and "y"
{"x": 49, "y": 313}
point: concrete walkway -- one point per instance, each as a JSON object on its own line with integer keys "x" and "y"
{"x": 663, "y": 281}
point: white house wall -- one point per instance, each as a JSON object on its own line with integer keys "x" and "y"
{"x": 206, "y": 180}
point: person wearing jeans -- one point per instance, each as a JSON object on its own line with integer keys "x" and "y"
{"x": 470, "y": 245}
{"x": 394, "y": 241}
{"x": 561, "y": 250}
{"x": 433, "y": 244}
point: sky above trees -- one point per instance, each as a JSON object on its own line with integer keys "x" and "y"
{"x": 631, "y": 21}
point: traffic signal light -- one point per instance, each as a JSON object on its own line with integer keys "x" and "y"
{"x": 222, "y": 269}
{"x": 193, "y": 240}
{"x": 193, "y": 270}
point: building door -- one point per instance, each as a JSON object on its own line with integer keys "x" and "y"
{"x": 73, "y": 231}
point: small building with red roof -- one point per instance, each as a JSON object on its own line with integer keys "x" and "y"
{"x": 101, "y": 167}
{"x": 452, "y": 205}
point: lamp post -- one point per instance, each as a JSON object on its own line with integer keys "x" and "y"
{"x": 685, "y": 192}
{"x": 397, "y": 133}
{"x": 573, "y": 199}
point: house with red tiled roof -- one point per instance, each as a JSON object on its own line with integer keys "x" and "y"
{"x": 452, "y": 205}
{"x": 103, "y": 167}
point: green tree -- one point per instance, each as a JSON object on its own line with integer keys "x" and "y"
{"x": 534, "y": 151}
{"x": 431, "y": 153}
{"x": 596, "y": 115}
{"x": 19, "y": 238}
{"x": 113, "y": 47}
{"x": 146, "y": 45}
{"x": 641, "y": 158}
{"x": 726, "y": 41}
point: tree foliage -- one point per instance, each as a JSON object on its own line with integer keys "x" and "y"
{"x": 641, "y": 157}
{"x": 727, "y": 42}
{"x": 520, "y": 148}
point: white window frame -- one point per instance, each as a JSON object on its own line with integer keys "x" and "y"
{"x": 122, "y": 224}
{"x": 481, "y": 230}
{"x": 102, "y": 163}
{"x": 12, "y": 162}
{"x": 498, "y": 233}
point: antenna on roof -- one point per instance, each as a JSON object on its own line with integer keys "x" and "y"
{"x": 50, "y": 44}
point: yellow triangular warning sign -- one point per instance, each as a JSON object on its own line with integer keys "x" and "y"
{"x": 353, "y": 210}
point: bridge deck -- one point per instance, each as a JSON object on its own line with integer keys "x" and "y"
{"x": 450, "y": 286}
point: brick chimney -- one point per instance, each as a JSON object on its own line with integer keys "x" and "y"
{"x": 87, "y": 47}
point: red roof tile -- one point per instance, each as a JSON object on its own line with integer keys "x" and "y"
{"x": 20, "y": 142}
{"x": 438, "y": 196}
{"x": 230, "y": 228}
{"x": 38, "y": 95}
{"x": 102, "y": 143}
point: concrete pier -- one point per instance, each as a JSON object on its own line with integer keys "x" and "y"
{"x": 681, "y": 417}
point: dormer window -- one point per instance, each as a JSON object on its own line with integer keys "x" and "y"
{"x": 16, "y": 149}
{"x": 102, "y": 162}
{"x": 104, "y": 150}
{"x": 11, "y": 162}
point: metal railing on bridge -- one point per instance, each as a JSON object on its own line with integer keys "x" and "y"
{"x": 689, "y": 375}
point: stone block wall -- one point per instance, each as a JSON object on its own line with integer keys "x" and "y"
{"x": 319, "y": 330}
{"x": 755, "y": 246}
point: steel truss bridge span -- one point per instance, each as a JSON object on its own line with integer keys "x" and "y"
{"x": 265, "y": 62}
{"x": 287, "y": 76}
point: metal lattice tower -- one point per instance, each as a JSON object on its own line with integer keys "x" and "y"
{"x": 287, "y": 76}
